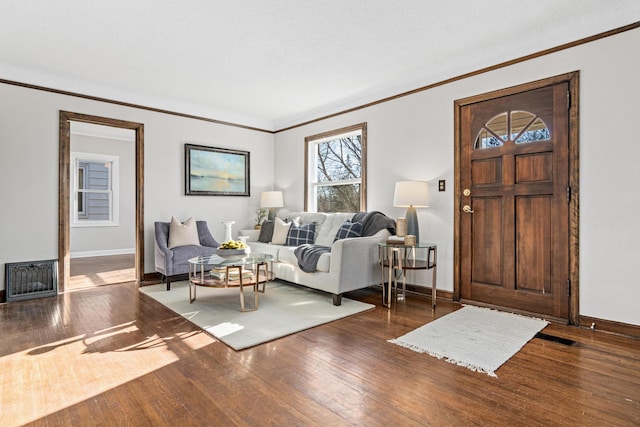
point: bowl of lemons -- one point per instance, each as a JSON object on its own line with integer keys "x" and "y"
{"x": 233, "y": 250}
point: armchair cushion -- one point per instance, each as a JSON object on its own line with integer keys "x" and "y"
{"x": 183, "y": 234}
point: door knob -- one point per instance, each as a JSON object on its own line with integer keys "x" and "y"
{"x": 467, "y": 209}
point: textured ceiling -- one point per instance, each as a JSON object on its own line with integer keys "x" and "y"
{"x": 271, "y": 64}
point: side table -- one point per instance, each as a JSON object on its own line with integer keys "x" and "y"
{"x": 397, "y": 259}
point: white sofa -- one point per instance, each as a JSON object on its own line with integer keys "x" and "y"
{"x": 352, "y": 263}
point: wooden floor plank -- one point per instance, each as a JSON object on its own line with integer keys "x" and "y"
{"x": 112, "y": 356}
{"x": 88, "y": 272}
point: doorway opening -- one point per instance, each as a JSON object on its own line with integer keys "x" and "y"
{"x": 90, "y": 202}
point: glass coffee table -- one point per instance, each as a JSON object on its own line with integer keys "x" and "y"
{"x": 217, "y": 272}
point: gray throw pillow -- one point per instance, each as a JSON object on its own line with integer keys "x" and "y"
{"x": 266, "y": 232}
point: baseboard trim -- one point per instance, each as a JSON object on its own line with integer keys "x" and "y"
{"x": 610, "y": 326}
{"x": 106, "y": 252}
{"x": 151, "y": 279}
{"x": 426, "y": 292}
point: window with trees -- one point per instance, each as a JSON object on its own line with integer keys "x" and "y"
{"x": 335, "y": 170}
{"x": 94, "y": 190}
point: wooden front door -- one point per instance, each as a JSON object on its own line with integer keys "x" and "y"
{"x": 514, "y": 200}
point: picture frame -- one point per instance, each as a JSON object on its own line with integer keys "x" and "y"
{"x": 212, "y": 171}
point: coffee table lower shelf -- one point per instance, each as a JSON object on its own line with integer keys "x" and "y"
{"x": 260, "y": 276}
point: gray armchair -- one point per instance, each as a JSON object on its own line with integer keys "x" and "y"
{"x": 172, "y": 262}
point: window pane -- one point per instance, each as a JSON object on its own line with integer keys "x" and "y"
{"x": 80, "y": 195}
{"x": 486, "y": 140}
{"x": 538, "y": 131}
{"x": 97, "y": 175}
{"x": 339, "y": 159}
{"x": 525, "y": 126}
{"x": 98, "y": 206}
{"x": 498, "y": 125}
{"x": 336, "y": 170}
{"x": 519, "y": 120}
{"x": 339, "y": 198}
{"x": 94, "y": 190}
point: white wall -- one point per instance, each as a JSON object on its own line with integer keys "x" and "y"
{"x": 409, "y": 138}
{"x": 92, "y": 241}
{"x": 29, "y": 170}
{"x": 413, "y": 138}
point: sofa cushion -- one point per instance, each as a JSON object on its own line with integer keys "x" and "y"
{"x": 330, "y": 227}
{"x": 183, "y": 234}
{"x": 182, "y": 255}
{"x": 266, "y": 249}
{"x": 349, "y": 229}
{"x": 280, "y": 231}
{"x": 309, "y": 217}
{"x": 287, "y": 255}
{"x": 266, "y": 231}
{"x": 301, "y": 234}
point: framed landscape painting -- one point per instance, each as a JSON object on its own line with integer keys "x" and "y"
{"x": 213, "y": 171}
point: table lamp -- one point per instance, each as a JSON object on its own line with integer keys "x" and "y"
{"x": 412, "y": 195}
{"x": 271, "y": 200}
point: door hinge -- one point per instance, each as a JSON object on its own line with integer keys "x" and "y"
{"x": 568, "y": 194}
{"x": 568, "y": 100}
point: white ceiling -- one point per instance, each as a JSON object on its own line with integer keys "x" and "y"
{"x": 272, "y": 64}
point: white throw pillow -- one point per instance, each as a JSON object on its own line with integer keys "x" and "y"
{"x": 183, "y": 234}
{"x": 280, "y": 231}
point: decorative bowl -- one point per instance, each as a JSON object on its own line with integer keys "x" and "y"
{"x": 233, "y": 254}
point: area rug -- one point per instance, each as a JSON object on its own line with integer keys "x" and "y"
{"x": 282, "y": 310}
{"x": 477, "y": 338}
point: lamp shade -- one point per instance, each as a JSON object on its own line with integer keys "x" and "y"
{"x": 271, "y": 199}
{"x": 411, "y": 193}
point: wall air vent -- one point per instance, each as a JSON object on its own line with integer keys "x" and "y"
{"x": 34, "y": 279}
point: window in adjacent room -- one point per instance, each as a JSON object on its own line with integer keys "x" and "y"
{"x": 336, "y": 170}
{"x": 94, "y": 190}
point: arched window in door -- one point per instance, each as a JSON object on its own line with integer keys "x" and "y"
{"x": 517, "y": 127}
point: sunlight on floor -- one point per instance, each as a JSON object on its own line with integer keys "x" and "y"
{"x": 102, "y": 278}
{"x": 29, "y": 395}
{"x": 224, "y": 329}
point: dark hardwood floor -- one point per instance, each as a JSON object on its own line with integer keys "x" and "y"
{"x": 112, "y": 356}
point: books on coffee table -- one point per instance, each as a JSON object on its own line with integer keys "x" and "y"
{"x": 234, "y": 274}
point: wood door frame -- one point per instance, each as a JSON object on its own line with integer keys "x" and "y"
{"x": 64, "y": 192}
{"x": 572, "y": 79}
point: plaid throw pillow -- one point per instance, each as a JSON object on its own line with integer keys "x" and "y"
{"x": 349, "y": 229}
{"x": 301, "y": 234}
